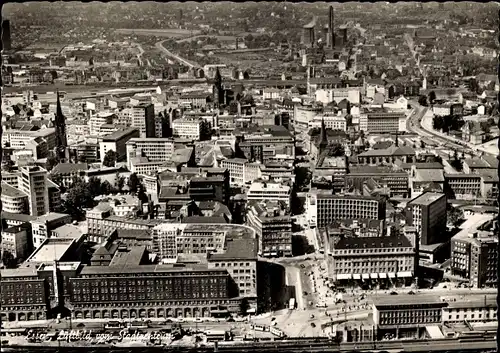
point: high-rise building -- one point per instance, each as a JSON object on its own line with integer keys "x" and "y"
{"x": 6, "y": 40}
{"x": 33, "y": 182}
{"x": 143, "y": 118}
{"x": 273, "y": 226}
{"x": 427, "y": 213}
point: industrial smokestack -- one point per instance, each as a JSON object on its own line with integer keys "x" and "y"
{"x": 331, "y": 27}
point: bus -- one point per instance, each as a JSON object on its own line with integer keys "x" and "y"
{"x": 259, "y": 328}
{"x": 138, "y": 325}
{"x": 291, "y": 304}
{"x": 216, "y": 335}
{"x": 114, "y": 325}
{"x": 277, "y": 332}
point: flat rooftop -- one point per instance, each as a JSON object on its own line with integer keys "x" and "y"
{"x": 406, "y": 299}
{"x": 426, "y": 199}
{"x": 131, "y": 256}
{"x": 11, "y": 191}
{"x": 53, "y": 249}
{"x": 472, "y": 223}
{"x": 130, "y": 270}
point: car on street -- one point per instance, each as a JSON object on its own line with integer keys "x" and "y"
{"x": 394, "y": 293}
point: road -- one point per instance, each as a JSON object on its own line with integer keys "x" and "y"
{"x": 420, "y": 123}
{"x": 160, "y": 46}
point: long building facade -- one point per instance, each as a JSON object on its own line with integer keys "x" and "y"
{"x": 151, "y": 291}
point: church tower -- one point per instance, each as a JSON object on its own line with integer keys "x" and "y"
{"x": 218, "y": 91}
{"x": 323, "y": 138}
{"x": 60, "y": 125}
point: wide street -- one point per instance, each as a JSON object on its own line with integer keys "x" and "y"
{"x": 169, "y": 54}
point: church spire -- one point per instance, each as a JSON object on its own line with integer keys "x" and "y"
{"x": 60, "y": 125}
{"x": 323, "y": 139}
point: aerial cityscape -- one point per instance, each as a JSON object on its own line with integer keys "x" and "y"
{"x": 249, "y": 177}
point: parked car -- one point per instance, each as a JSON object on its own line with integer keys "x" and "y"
{"x": 394, "y": 293}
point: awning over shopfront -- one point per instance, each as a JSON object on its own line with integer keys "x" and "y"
{"x": 382, "y": 275}
{"x": 356, "y": 276}
{"x": 343, "y": 276}
{"x": 251, "y": 311}
{"x": 373, "y": 275}
{"x": 404, "y": 274}
{"x": 391, "y": 275}
{"x": 366, "y": 275}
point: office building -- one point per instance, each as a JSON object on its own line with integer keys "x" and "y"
{"x": 42, "y": 226}
{"x": 478, "y": 310}
{"x": 408, "y": 316}
{"x": 151, "y": 291}
{"x": 241, "y": 171}
{"x": 171, "y": 239}
{"x": 154, "y": 149}
{"x": 263, "y": 143}
{"x": 273, "y": 226}
{"x": 24, "y": 295}
{"x": 191, "y": 128}
{"x": 463, "y": 186}
{"x": 397, "y": 182}
{"x": 263, "y": 191}
{"x": 143, "y": 118}
{"x": 370, "y": 262}
{"x": 239, "y": 258}
{"x": 33, "y": 182}
{"x": 382, "y": 122}
{"x": 474, "y": 256}
{"x": 17, "y": 241}
{"x": 325, "y": 208}
{"x": 13, "y": 200}
{"x": 427, "y": 213}
{"x": 117, "y": 142}
{"x": 97, "y": 121}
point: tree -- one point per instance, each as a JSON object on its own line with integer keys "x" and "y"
{"x": 432, "y": 97}
{"x": 485, "y": 126}
{"x": 78, "y": 197}
{"x": 454, "y": 215}
{"x": 119, "y": 182}
{"x": 336, "y": 150}
{"x": 303, "y": 177}
{"x": 106, "y": 188}
{"x": 8, "y": 259}
{"x": 133, "y": 183}
{"x": 109, "y": 159}
{"x": 422, "y": 101}
{"x": 94, "y": 186}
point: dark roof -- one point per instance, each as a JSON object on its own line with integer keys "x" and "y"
{"x": 133, "y": 234}
{"x": 117, "y": 135}
{"x": 17, "y": 217}
{"x": 237, "y": 249}
{"x": 206, "y": 220}
{"x": 372, "y": 242}
{"x": 68, "y": 168}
